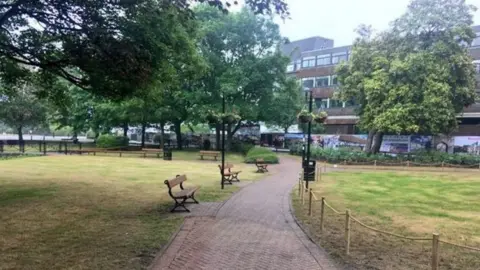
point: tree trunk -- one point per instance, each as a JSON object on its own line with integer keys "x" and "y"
{"x": 20, "y": 134}
{"x": 368, "y": 145}
{"x": 377, "y": 142}
{"x": 162, "y": 135}
{"x": 228, "y": 143}
{"x": 144, "y": 127}
{"x": 178, "y": 132}
{"x": 217, "y": 136}
{"x": 125, "y": 129}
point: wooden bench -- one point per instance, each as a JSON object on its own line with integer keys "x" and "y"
{"x": 180, "y": 197}
{"x": 153, "y": 150}
{"x": 228, "y": 174}
{"x": 214, "y": 154}
{"x": 261, "y": 165}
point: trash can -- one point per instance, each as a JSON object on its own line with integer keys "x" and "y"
{"x": 309, "y": 170}
{"x": 167, "y": 153}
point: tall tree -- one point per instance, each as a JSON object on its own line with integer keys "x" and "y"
{"x": 112, "y": 48}
{"x": 22, "y": 109}
{"x": 244, "y": 62}
{"x": 285, "y": 105}
{"x": 417, "y": 76}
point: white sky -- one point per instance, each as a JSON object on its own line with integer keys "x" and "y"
{"x": 337, "y": 19}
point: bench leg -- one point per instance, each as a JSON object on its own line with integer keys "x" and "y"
{"x": 193, "y": 198}
{"x": 227, "y": 180}
{"x": 215, "y": 158}
{"x": 201, "y": 157}
{"x": 179, "y": 204}
{"x": 235, "y": 177}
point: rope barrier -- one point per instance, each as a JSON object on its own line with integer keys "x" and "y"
{"x": 461, "y": 246}
{"x": 389, "y": 233}
{"x": 333, "y": 209}
{"x": 315, "y": 197}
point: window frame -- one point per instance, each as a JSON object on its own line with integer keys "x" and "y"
{"x": 309, "y": 60}
{"x": 306, "y": 79}
{"x": 337, "y": 56}
{"x": 322, "y": 77}
{"x": 324, "y": 56}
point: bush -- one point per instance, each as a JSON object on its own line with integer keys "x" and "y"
{"x": 242, "y": 147}
{"x": 259, "y": 152}
{"x": 339, "y": 155}
{"x": 111, "y": 141}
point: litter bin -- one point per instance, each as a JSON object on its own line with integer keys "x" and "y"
{"x": 167, "y": 153}
{"x": 309, "y": 170}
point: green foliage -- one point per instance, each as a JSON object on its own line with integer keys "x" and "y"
{"x": 285, "y": 104}
{"x": 333, "y": 155}
{"x": 259, "y": 152}
{"x": 22, "y": 108}
{"x": 417, "y": 76}
{"x": 111, "y": 141}
{"x": 242, "y": 147}
{"x": 62, "y": 131}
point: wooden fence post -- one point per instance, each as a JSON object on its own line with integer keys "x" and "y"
{"x": 302, "y": 195}
{"x": 44, "y": 148}
{"x": 443, "y": 165}
{"x": 120, "y": 154}
{"x": 435, "y": 242}
{"x": 347, "y": 232}
{"x": 375, "y": 164}
{"x": 310, "y": 199}
{"x": 320, "y": 174}
{"x": 408, "y": 163}
{"x": 325, "y": 166}
{"x": 322, "y": 210}
{"x": 299, "y": 186}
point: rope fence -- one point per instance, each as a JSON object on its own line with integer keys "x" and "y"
{"x": 312, "y": 197}
{"x": 378, "y": 164}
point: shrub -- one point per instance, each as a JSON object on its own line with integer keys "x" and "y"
{"x": 259, "y": 152}
{"x": 111, "y": 141}
{"x": 242, "y": 147}
{"x": 333, "y": 155}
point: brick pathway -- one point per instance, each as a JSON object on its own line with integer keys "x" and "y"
{"x": 252, "y": 230}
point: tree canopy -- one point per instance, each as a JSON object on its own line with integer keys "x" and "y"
{"x": 415, "y": 77}
{"x": 111, "y": 48}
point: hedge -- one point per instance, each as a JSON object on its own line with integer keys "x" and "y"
{"x": 338, "y": 155}
{"x": 259, "y": 152}
{"x": 111, "y": 141}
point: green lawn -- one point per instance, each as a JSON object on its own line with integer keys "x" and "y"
{"x": 407, "y": 203}
{"x": 86, "y": 212}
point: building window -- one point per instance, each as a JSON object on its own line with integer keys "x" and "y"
{"x": 308, "y": 82}
{"x": 476, "y": 65}
{"x": 322, "y": 81}
{"x": 334, "y": 80}
{"x": 350, "y": 103}
{"x": 336, "y": 103}
{"x": 323, "y": 60}
{"x": 291, "y": 68}
{"x": 339, "y": 57}
{"x": 308, "y": 62}
{"x": 298, "y": 64}
{"x": 321, "y": 103}
{"x": 476, "y": 41}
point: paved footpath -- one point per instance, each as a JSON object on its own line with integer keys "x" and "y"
{"x": 253, "y": 230}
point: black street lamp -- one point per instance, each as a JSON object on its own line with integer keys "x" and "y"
{"x": 223, "y": 142}
{"x": 306, "y": 159}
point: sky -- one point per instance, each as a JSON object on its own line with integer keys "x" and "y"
{"x": 337, "y": 19}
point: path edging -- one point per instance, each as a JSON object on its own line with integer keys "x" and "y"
{"x": 324, "y": 258}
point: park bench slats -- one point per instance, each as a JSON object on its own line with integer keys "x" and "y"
{"x": 213, "y": 154}
{"x": 261, "y": 165}
{"x": 180, "y": 197}
{"x": 228, "y": 174}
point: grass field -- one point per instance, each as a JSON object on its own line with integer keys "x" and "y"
{"x": 85, "y": 212}
{"x": 406, "y": 203}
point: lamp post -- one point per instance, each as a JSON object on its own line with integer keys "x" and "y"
{"x": 306, "y": 160}
{"x": 223, "y": 142}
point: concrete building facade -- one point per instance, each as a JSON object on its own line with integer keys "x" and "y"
{"x": 313, "y": 62}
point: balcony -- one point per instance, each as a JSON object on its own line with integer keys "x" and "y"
{"x": 347, "y": 111}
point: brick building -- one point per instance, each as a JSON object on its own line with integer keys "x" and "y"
{"x": 313, "y": 61}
